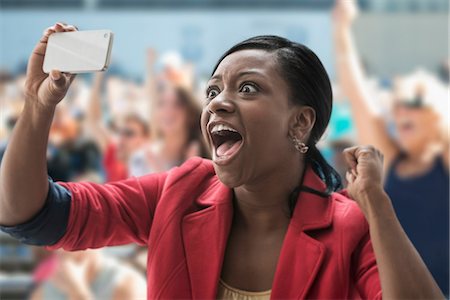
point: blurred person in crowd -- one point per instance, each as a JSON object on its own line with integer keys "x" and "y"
{"x": 174, "y": 118}
{"x": 9, "y": 121}
{"x": 174, "y": 70}
{"x": 11, "y": 103}
{"x": 338, "y": 160}
{"x": 417, "y": 158}
{"x": 268, "y": 187}
{"x": 70, "y": 154}
{"x": 128, "y": 133}
{"x": 88, "y": 274}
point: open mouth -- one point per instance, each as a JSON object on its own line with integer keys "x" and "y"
{"x": 226, "y": 140}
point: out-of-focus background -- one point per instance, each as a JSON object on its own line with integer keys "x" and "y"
{"x": 140, "y": 116}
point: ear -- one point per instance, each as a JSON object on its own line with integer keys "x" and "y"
{"x": 302, "y": 122}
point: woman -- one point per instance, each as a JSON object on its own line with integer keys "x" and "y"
{"x": 262, "y": 217}
{"x": 130, "y": 135}
{"x": 174, "y": 119}
{"x": 416, "y": 160}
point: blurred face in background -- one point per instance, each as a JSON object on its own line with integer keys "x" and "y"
{"x": 415, "y": 125}
{"x": 417, "y": 122}
{"x": 170, "y": 114}
{"x": 132, "y": 135}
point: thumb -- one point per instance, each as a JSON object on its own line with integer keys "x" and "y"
{"x": 55, "y": 86}
{"x": 58, "y": 80}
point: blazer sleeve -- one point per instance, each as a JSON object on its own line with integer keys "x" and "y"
{"x": 366, "y": 271}
{"x": 49, "y": 224}
{"x": 110, "y": 214}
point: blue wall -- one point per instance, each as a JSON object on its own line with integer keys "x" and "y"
{"x": 201, "y": 36}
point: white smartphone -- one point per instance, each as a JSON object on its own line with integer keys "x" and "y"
{"x": 78, "y": 51}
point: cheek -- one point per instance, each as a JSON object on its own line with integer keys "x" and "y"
{"x": 158, "y": 115}
{"x": 266, "y": 128}
{"x": 181, "y": 116}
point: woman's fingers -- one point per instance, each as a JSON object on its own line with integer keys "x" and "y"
{"x": 350, "y": 157}
{"x": 59, "y": 27}
{"x": 42, "y": 45}
{"x": 37, "y": 57}
{"x": 350, "y": 177}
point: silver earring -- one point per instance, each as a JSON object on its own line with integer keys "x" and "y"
{"x": 300, "y": 146}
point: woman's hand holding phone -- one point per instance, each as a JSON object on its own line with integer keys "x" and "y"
{"x": 47, "y": 90}
{"x": 21, "y": 162}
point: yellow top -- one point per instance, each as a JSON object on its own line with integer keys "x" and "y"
{"x": 230, "y": 293}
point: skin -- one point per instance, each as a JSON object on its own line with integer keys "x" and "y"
{"x": 425, "y": 139}
{"x": 261, "y": 185}
{"x": 260, "y": 178}
{"x": 76, "y": 271}
{"x": 170, "y": 115}
{"x": 170, "y": 120}
{"x": 125, "y": 145}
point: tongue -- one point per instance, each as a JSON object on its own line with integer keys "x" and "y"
{"x": 228, "y": 148}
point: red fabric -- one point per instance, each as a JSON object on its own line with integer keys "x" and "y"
{"x": 184, "y": 217}
{"x": 114, "y": 169}
{"x": 45, "y": 269}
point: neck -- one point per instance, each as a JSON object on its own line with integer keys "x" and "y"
{"x": 426, "y": 153}
{"x": 264, "y": 206}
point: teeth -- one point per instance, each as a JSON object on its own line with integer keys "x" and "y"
{"x": 220, "y": 127}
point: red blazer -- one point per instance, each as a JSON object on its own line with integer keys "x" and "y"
{"x": 184, "y": 217}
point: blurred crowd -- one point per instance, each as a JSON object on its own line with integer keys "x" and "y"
{"x": 111, "y": 127}
{"x": 106, "y": 128}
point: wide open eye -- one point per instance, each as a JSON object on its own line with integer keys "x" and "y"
{"x": 248, "y": 88}
{"x": 212, "y": 92}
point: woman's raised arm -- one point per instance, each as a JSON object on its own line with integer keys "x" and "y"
{"x": 371, "y": 127}
{"x": 23, "y": 170}
{"x": 94, "y": 114}
{"x": 402, "y": 272}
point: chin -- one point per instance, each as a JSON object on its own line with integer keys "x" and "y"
{"x": 408, "y": 145}
{"x": 228, "y": 178}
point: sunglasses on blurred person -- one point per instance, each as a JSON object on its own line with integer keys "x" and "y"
{"x": 412, "y": 103}
{"x": 126, "y": 133}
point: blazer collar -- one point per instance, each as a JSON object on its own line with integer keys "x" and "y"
{"x": 312, "y": 211}
{"x": 301, "y": 255}
{"x": 205, "y": 235}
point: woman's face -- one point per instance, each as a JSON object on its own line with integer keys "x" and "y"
{"x": 246, "y": 117}
{"x": 170, "y": 115}
{"x": 414, "y": 126}
{"x": 131, "y": 137}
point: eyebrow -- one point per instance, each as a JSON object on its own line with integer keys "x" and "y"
{"x": 241, "y": 74}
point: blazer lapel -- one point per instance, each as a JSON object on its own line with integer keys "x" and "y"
{"x": 301, "y": 255}
{"x": 205, "y": 235}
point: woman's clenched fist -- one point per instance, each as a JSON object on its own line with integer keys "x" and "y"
{"x": 364, "y": 175}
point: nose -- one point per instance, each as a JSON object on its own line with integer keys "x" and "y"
{"x": 221, "y": 104}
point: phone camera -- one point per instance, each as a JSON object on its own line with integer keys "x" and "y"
{"x": 105, "y": 35}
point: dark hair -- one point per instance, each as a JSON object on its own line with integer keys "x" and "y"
{"x": 194, "y": 111}
{"x": 309, "y": 85}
